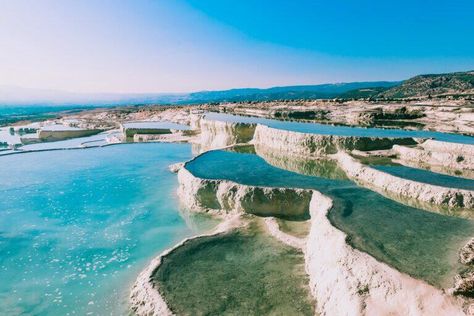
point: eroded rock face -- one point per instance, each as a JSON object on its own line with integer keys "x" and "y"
{"x": 464, "y": 284}
{"x": 346, "y": 281}
{"x": 217, "y": 134}
{"x": 304, "y": 144}
{"x": 222, "y": 195}
{"x": 466, "y": 254}
{"x": 382, "y": 182}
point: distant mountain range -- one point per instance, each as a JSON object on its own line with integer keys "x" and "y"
{"x": 423, "y": 85}
{"x": 22, "y": 96}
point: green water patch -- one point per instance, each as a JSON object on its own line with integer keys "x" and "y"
{"x": 244, "y": 272}
{"x": 422, "y": 244}
{"x": 417, "y": 242}
{"x": 298, "y": 229}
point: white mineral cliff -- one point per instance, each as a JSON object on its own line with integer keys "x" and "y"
{"x": 312, "y": 145}
{"x": 223, "y": 195}
{"x": 217, "y": 134}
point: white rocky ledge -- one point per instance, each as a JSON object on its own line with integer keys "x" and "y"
{"x": 204, "y": 195}
{"x": 346, "y": 281}
{"x": 382, "y": 182}
{"x": 311, "y": 145}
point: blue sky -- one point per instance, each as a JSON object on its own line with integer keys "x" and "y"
{"x": 178, "y": 45}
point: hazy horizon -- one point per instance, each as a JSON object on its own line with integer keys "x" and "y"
{"x": 168, "y": 47}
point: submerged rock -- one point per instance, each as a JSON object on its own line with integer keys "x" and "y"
{"x": 466, "y": 255}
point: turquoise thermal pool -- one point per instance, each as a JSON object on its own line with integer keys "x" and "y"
{"x": 77, "y": 226}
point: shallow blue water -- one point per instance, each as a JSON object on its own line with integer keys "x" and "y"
{"x": 405, "y": 237}
{"x": 77, "y": 226}
{"x": 426, "y": 176}
{"x": 326, "y": 129}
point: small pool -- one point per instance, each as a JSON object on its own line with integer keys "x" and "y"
{"x": 327, "y": 129}
{"x": 244, "y": 272}
{"x": 405, "y": 237}
{"x": 427, "y": 176}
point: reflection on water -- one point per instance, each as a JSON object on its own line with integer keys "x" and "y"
{"x": 417, "y": 242}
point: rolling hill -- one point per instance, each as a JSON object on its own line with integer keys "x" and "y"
{"x": 431, "y": 85}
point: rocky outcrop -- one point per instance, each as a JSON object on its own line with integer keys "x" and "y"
{"x": 437, "y": 153}
{"x": 466, "y": 254}
{"x": 313, "y": 145}
{"x": 217, "y": 134}
{"x": 464, "y": 282}
{"x": 346, "y": 281}
{"x": 464, "y": 285}
{"x": 459, "y": 201}
{"x": 203, "y": 195}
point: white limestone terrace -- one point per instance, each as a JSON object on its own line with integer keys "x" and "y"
{"x": 459, "y": 202}
{"x": 298, "y": 144}
{"x": 324, "y": 139}
{"x": 338, "y": 130}
{"x": 315, "y": 145}
{"x": 442, "y": 154}
{"x": 216, "y": 134}
{"x": 205, "y": 195}
{"x": 346, "y": 281}
{"x": 343, "y": 280}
